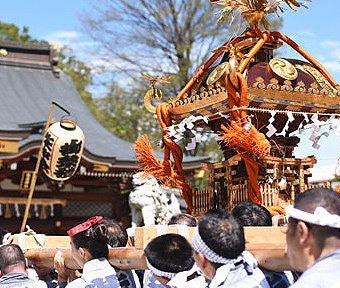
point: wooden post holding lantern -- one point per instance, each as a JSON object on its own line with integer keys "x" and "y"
{"x": 60, "y": 153}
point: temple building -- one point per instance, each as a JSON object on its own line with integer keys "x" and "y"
{"x": 30, "y": 81}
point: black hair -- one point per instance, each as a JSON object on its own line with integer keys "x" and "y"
{"x": 3, "y": 232}
{"x": 170, "y": 253}
{"x": 312, "y": 198}
{"x": 308, "y": 201}
{"x": 183, "y": 219}
{"x": 222, "y": 233}
{"x": 94, "y": 240}
{"x": 252, "y": 214}
{"x": 116, "y": 234}
{"x": 11, "y": 255}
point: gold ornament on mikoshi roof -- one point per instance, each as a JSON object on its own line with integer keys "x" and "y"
{"x": 217, "y": 73}
{"x": 254, "y": 10}
{"x": 283, "y": 68}
{"x": 154, "y": 92}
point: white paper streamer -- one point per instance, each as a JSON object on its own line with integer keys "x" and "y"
{"x": 227, "y": 117}
{"x": 16, "y": 208}
{"x": 271, "y": 130}
{"x": 51, "y": 210}
{"x": 36, "y": 212}
{"x": 177, "y": 131}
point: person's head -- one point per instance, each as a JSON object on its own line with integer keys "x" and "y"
{"x": 183, "y": 219}
{"x": 168, "y": 255}
{"x": 313, "y": 227}
{"x": 116, "y": 234}
{"x": 12, "y": 260}
{"x": 89, "y": 240}
{"x": 252, "y": 214}
{"x": 218, "y": 238}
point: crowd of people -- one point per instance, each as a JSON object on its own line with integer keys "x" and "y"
{"x": 216, "y": 257}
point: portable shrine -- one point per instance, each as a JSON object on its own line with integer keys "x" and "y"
{"x": 258, "y": 104}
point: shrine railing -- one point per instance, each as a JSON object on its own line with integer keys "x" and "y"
{"x": 203, "y": 200}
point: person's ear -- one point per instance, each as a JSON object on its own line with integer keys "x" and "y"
{"x": 1, "y": 274}
{"x": 302, "y": 232}
{"x": 199, "y": 258}
{"x": 82, "y": 252}
{"x": 204, "y": 260}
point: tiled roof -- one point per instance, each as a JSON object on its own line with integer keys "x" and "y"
{"x": 27, "y": 89}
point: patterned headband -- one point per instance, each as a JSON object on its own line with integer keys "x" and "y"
{"x": 84, "y": 226}
{"x": 200, "y": 246}
{"x": 320, "y": 216}
{"x": 160, "y": 273}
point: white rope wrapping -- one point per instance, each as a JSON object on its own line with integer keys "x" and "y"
{"x": 320, "y": 217}
{"x": 160, "y": 273}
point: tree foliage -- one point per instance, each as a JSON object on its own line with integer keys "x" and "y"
{"x": 122, "y": 113}
{"x": 11, "y": 32}
{"x": 79, "y": 72}
{"x": 158, "y": 38}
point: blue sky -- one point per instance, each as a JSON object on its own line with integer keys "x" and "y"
{"x": 316, "y": 29}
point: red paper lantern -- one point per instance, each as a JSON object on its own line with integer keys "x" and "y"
{"x": 62, "y": 150}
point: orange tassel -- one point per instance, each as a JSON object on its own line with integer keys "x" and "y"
{"x": 250, "y": 141}
{"x": 163, "y": 171}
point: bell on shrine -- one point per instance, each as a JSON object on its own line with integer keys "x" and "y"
{"x": 62, "y": 149}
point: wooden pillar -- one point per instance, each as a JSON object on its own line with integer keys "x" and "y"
{"x": 301, "y": 179}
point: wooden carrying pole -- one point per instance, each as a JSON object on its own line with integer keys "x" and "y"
{"x": 123, "y": 258}
{"x": 267, "y": 244}
{"x": 37, "y": 165}
{"x": 133, "y": 258}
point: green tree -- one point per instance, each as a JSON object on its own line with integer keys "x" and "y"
{"x": 165, "y": 37}
{"x": 122, "y": 113}
{"x": 11, "y": 32}
{"x": 158, "y": 37}
{"x": 67, "y": 62}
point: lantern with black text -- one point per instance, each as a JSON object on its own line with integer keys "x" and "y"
{"x": 62, "y": 150}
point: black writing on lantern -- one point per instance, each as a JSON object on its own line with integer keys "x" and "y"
{"x": 67, "y": 162}
{"x": 46, "y": 152}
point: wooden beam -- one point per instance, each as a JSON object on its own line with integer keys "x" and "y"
{"x": 123, "y": 258}
{"x": 267, "y": 244}
{"x": 38, "y": 201}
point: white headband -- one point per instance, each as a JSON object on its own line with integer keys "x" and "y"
{"x": 160, "y": 273}
{"x": 320, "y": 217}
{"x": 200, "y": 246}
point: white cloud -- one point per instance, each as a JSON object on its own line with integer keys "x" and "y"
{"x": 71, "y": 39}
{"x": 63, "y": 35}
{"x": 330, "y": 44}
{"x": 333, "y": 66}
{"x": 336, "y": 53}
{"x": 307, "y": 33}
